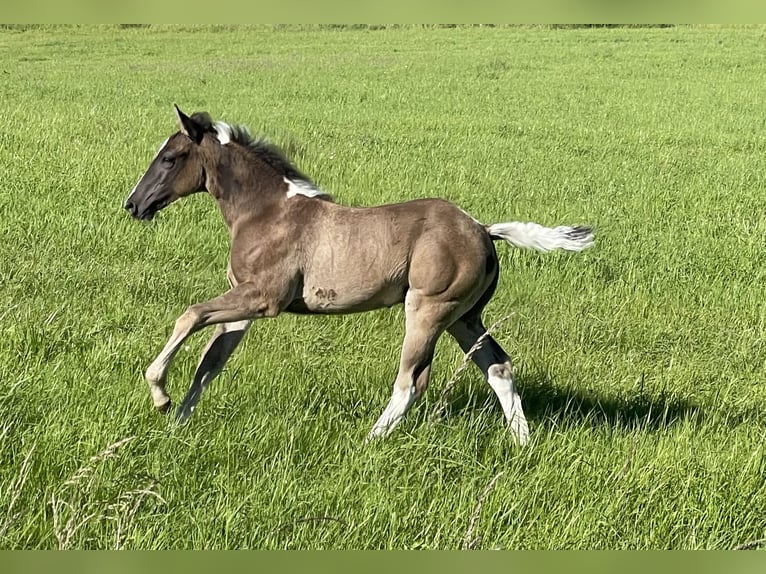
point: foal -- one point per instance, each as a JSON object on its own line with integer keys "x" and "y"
{"x": 293, "y": 249}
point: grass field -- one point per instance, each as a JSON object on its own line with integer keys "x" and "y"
{"x": 640, "y": 362}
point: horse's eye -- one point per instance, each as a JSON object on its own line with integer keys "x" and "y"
{"x": 168, "y": 159}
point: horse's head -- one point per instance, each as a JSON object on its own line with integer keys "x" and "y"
{"x": 176, "y": 170}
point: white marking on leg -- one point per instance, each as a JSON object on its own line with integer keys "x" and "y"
{"x": 401, "y": 401}
{"x": 299, "y": 187}
{"x": 500, "y": 378}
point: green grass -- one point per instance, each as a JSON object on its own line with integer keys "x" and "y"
{"x": 640, "y": 362}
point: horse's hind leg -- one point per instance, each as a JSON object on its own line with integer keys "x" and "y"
{"x": 496, "y": 367}
{"x": 425, "y": 322}
{"x": 411, "y": 380}
{"x": 218, "y": 350}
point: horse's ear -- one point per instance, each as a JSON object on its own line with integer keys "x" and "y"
{"x": 189, "y": 127}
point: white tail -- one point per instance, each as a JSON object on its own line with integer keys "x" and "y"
{"x": 535, "y": 236}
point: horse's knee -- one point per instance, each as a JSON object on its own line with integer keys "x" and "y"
{"x": 189, "y": 319}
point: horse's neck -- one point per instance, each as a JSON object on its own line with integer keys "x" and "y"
{"x": 243, "y": 196}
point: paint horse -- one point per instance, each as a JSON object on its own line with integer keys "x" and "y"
{"x": 293, "y": 249}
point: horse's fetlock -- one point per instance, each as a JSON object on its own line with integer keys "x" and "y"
{"x": 153, "y": 375}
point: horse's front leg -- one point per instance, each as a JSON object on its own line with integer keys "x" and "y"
{"x": 242, "y": 303}
{"x": 218, "y": 350}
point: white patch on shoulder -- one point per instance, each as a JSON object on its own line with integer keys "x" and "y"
{"x": 303, "y": 188}
{"x": 222, "y": 132}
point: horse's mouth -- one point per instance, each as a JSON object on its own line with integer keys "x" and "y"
{"x": 152, "y": 209}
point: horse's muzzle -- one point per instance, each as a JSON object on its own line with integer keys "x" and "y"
{"x": 147, "y": 213}
{"x": 132, "y": 208}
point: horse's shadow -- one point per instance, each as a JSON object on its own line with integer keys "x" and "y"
{"x": 543, "y": 400}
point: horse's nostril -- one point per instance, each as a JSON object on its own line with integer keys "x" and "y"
{"x": 131, "y": 207}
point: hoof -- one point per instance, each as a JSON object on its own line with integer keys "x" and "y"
{"x": 164, "y": 408}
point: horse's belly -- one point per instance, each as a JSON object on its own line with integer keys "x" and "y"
{"x": 335, "y": 299}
